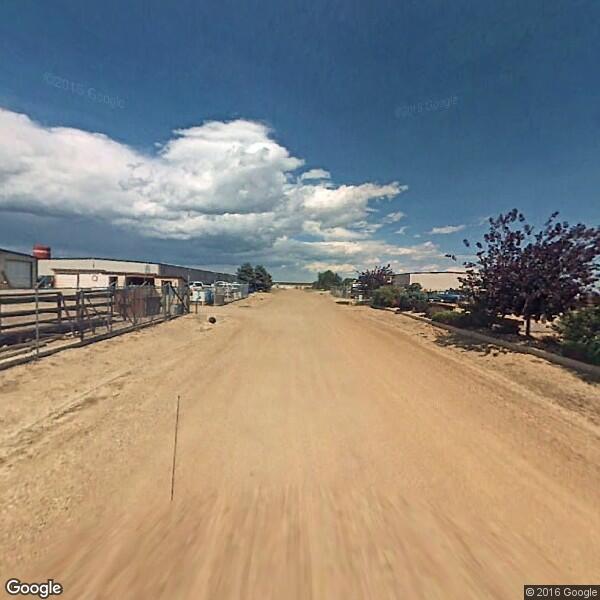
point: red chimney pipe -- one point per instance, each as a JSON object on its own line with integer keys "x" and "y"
{"x": 40, "y": 251}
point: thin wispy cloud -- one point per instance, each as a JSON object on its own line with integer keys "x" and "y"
{"x": 446, "y": 229}
{"x": 315, "y": 174}
{"x": 393, "y": 217}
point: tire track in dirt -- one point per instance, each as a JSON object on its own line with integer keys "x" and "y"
{"x": 322, "y": 453}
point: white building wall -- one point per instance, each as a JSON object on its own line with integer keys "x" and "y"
{"x": 436, "y": 282}
{"x": 431, "y": 282}
{"x": 47, "y": 266}
{"x": 93, "y": 280}
{"x": 65, "y": 280}
{"x": 103, "y": 268}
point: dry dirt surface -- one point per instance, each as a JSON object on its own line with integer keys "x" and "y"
{"x": 324, "y": 452}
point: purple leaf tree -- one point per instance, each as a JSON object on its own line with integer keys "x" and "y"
{"x": 535, "y": 275}
{"x": 371, "y": 279}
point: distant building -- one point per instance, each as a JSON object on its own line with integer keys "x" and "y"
{"x": 105, "y": 272}
{"x": 17, "y": 270}
{"x": 430, "y": 281}
{"x": 291, "y": 285}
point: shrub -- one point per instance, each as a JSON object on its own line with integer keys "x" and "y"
{"x": 475, "y": 320}
{"x": 385, "y": 296}
{"x": 479, "y": 316}
{"x": 580, "y": 331}
{"x": 412, "y": 298}
{"x": 451, "y": 317}
{"x": 579, "y": 351}
{"x": 505, "y": 325}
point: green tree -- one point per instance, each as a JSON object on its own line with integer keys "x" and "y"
{"x": 327, "y": 280}
{"x": 262, "y": 279}
{"x": 245, "y": 274}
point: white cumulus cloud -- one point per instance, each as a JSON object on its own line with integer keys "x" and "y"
{"x": 229, "y": 186}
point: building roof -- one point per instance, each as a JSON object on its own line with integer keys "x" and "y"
{"x": 431, "y": 273}
{"x": 6, "y": 251}
{"x": 128, "y": 260}
{"x": 115, "y": 265}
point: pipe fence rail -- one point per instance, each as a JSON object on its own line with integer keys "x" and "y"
{"x": 30, "y": 320}
{"x": 42, "y": 321}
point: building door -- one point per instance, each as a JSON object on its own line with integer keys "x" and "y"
{"x": 18, "y": 273}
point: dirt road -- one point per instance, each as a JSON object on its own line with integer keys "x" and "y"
{"x": 324, "y": 451}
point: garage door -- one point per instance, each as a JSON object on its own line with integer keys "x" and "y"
{"x": 18, "y": 273}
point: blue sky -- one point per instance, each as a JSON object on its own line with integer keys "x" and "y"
{"x": 303, "y": 135}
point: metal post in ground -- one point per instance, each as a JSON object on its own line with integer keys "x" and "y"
{"x": 111, "y": 302}
{"x": 80, "y": 313}
{"x": 37, "y": 322}
{"x": 174, "y": 451}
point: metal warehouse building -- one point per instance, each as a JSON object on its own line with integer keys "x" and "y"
{"x": 105, "y": 272}
{"x": 431, "y": 281}
{"x": 17, "y": 270}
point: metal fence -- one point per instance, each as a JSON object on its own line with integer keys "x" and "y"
{"x": 30, "y": 320}
{"x": 39, "y": 321}
{"x": 225, "y": 293}
{"x": 341, "y": 291}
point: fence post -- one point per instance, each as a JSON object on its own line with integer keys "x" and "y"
{"x": 111, "y": 301}
{"x": 134, "y": 292}
{"x": 80, "y": 313}
{"x": 37, "y": 323}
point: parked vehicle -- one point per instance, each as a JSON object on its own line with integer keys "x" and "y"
{"x": 357, "y": 290}
{"x": 445, "y": 297}
{"x": 200, "y": 292}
